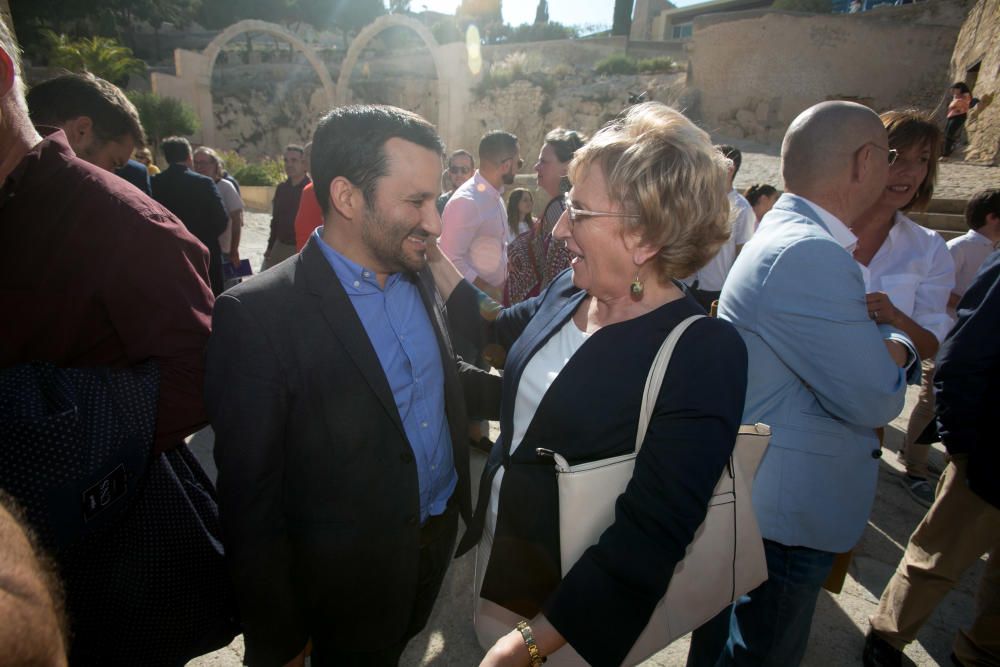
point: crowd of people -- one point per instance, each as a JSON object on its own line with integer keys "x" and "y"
{"x": 347, "y": 383}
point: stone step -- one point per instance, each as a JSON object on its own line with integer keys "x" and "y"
{"x": 941, "y": 221}
{"x": 954, "y": 206}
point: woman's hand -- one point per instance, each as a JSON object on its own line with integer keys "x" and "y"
{"x": 881, "y": 310}
{"x": 508, "y": 651}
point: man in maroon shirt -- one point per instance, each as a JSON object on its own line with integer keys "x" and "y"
{"x": 281, "y": 243}
{"x": 93, "y": 273}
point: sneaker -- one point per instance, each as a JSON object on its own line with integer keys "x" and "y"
{"x": 920, "y": 490}
{"x": 879, "y": 653}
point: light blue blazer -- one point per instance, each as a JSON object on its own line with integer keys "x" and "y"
{"x": 818, "y": 374}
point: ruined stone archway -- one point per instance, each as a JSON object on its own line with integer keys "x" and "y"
{"x": 370, "y": 31}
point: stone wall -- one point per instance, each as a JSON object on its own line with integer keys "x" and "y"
{"x": 753, "y": 72}
{"x": 978, "y": 48}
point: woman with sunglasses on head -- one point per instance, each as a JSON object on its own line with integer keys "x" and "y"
{"x": 533, "y": 260}
{"x": 461, "y": 166}
{"x": 648, "y": 204}
{"x": 908, "y": 270}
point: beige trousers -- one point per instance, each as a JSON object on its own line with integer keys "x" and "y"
{"x": 957, "y": 530}
{"x": 915, "y": 455}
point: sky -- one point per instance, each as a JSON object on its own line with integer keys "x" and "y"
{"x": 568, "y": 12}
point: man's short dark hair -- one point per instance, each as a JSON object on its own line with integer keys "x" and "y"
{"x": 296, "y": 147}
{"x": 58, "y": 100}
{"x": 497, "y": 146}
{"x": 981, "y": 205}
{"x": 175, "y": 149}
{"x": 734, "y": 154}
{"x": 459, "y": 153}
{"x": 565, "y": 143}
{"x": 350, "y": 142}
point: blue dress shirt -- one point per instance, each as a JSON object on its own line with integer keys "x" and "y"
{"x": 400, "y": 331}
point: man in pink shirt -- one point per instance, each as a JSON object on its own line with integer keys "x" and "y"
{"x": 474, "y": 223}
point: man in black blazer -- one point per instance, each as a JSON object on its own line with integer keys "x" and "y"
{"x": 195, "y": 200}
{"x": 338, "y": 412}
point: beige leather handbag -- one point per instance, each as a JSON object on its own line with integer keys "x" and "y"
{"x": 724, "y": 561}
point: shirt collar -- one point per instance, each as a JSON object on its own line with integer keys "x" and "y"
{"x": 979, "y": 238}
{"x": 480, "y": 184}
{"x": 355, "y": 278}
{"x": 838, "y": 230}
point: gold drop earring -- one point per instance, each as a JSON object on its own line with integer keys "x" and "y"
{"x": 637, "y": 287}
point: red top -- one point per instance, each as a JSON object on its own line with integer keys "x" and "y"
{"x": 95, "y": 273}
{"x": 309, "y": 217}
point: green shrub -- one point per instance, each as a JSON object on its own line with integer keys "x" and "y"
{"x": 265, "y": 172}
{"x": 659, "y": 64}
{"x": 617, "y": 63}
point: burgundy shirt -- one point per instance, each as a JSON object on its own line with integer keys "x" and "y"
{"x": 285, "y": 208}
{"x": 95, "y": 273}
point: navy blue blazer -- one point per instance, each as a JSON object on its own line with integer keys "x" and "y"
{"x": 967, "y": 381}
{"x": 136, "y": 173}
{"x": 590, "y": 412}
{"x": 196, "y": 201}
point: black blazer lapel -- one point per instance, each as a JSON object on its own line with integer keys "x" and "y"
{"x": 339, "y": 313}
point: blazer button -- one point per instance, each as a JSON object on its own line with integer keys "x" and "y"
{"x": 412, "y": 520}
{"x": 876, "y": 453}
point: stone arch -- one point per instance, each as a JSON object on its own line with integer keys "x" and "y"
{"x": 214, "y": 47}
{"x": 368, "y": 33}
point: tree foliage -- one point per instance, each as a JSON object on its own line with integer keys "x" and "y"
{"x": 101, "y": 56}
{"x": 622, "y": 24}
{"x": 533, "y": 32}
{"x": 542, "y": 12}
{"x": 163, "y": 117}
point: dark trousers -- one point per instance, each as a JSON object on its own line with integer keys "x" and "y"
{"x": 952, "y": 132}
{"x": 769, "y": 626}
{"x": 437, "y": 546}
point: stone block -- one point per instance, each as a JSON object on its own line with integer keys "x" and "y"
{"x": 746, "y": 118}
{"x": 763, "y": 109}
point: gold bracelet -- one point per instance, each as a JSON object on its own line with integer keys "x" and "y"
{"x": 529, "y": 641}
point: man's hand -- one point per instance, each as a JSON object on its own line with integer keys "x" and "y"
{"x": 897, "y": 351}
{"x": 495, "y": 293}
{"x": 234, "y": 258}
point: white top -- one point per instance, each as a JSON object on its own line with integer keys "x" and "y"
{"x": 522, "y": 227}
{"x": 232, "y": 202}
{"x": 743, "y": 220}
{"x": 539, "y": 374}
{"x": 968, "y": 251}
{"x": 474, "y": 231}
{"x": 914, "y": 269}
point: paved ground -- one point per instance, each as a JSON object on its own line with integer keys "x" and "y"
{"x": 838, "y": 629}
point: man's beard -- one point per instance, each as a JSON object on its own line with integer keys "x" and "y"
{"x": 385, "y": 241}
{"x": 508, "y": 179}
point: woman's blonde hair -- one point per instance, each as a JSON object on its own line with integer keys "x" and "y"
{"x": 661, "y": 167}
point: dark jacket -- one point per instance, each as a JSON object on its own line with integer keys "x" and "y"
{"x": 967, "y": 382}
{"x": 195, "y": 200}
{"x": 591, "y": 412}
{"x": 136, "y": 173}
{"x": 318, "y": 489}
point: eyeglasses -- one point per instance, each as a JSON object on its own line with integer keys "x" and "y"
{"x": 893, "y": 153}
{"x": 455, "y": 169}
{"x": 578, "y": 214}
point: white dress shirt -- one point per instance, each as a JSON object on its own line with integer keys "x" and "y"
{"x": 913, "y": 267}
{"x": 474, "y": 231}
{"x": 232, "y": 201}
{"x": 968, "y": 251}
{"x": 712, "y": 276}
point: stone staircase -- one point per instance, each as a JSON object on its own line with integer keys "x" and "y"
{"x": 945, "y": 216}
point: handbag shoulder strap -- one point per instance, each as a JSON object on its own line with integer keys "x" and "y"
{"x": 655, "y": 378}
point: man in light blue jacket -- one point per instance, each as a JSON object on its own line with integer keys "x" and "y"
{"x": 821, "y": 373}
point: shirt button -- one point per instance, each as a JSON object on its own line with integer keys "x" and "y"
{"x": 365, "y": 274}
{"x": 434, "y": 467}
{"x": 423, "y": 424}
{"x": 357, "y": 283}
